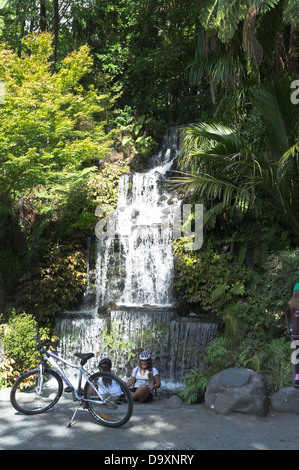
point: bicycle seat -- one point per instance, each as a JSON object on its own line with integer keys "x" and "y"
{"x": 84, "y": 357}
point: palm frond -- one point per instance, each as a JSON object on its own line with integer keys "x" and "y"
{"x": 291, "y": 12}
{"x": 263, "y": 6}
{"x": 226, "y": 170}
{"x": 210, "y": 132}
{"x": 207, "y": 186}
{"x": 272, "y": 99}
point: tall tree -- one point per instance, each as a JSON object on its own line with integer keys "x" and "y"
{"x": 51, "y": 129}
{"x": 56, "y": 31}
{"x": 43, "y": 12}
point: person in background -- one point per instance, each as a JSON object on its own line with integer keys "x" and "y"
{"x": 292, "y": 315}
{"x": 145, "y": 379}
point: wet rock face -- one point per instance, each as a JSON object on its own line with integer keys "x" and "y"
{"x": 176, "y": 343}
{"x": 237, "y": 390}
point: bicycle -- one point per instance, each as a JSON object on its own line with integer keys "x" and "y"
{"x": 38, "y": 390}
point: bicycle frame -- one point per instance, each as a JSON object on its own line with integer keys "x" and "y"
{"x": 103, "y": 394}
{"x": 49, "y": 357}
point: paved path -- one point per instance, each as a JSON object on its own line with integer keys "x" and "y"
{"x": 153, "y": 426}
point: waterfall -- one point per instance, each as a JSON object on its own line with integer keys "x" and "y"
{"x": 135, "y": 304}
{"x": 135, "y": 267}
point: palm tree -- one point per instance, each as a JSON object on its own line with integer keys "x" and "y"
{"x": 235, "y": 40}
{"x": 225, "y": 168}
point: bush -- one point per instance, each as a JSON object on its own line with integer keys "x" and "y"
{"x": 212, "y": 280}
{"x": 19, "y": 339}
{"x": 55, "y": 286}
{"x": 271, "y": 359}
{"x": 267, "y": 303}
{"x": 76, "y": 215}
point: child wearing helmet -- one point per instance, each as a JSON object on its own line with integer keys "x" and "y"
{"x": 292, "y": 315}
{"x": 105, "y": 384}
{"x": 145, "y": 379}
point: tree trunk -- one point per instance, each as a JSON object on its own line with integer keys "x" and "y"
{"x": 42, "y": 16}
{"x": 56, "y": 32}
{"x": 21, "y": 37}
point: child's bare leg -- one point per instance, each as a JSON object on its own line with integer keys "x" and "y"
{"x": 141, "y": 393}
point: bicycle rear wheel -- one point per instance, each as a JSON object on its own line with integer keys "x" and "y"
{"x": 111, "y": 403}
{"x": 35, "y": 393}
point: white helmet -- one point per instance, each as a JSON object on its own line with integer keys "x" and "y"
{"x": 144, "y": 356}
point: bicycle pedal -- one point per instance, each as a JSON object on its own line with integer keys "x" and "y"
{"x": 69, "y": 389}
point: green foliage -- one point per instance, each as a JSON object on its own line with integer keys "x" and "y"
{"x": 133, "y": 132}
{"x": 267, "y": 302}
{"x": 11, "y": 267}
{"x": 236, "y": 40}
{"x": 272, "y": 100}
{"x": 54, "y": 139}
{"x": 212, "y": 279}
{"x": 246, "y": 299}
{"x": 8, "y": 375}
{"x": 195, "y": 385}
{"x": 276, "y": 364}
{"x": 225, "y": 169}
{"x": 223, "y": 17}
{"x": 56, "y": 285}
{"x": 113, "y": 343}
{"x": 50, "y": 125}
{"x": 19, "y": 339}
{"x": 76, "y": 213}
{"x": 271, "y": 359}
{"x": 254, "y": 334}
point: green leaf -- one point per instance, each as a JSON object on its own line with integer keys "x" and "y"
{"x": 219, "y": 291}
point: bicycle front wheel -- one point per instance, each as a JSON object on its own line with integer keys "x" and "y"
{"x": 109, "y": 400}
{"x": 35, "y": 393}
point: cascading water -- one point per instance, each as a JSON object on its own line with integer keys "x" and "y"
{"x": 135, "y": 266}
{"x": 134, "y": 304}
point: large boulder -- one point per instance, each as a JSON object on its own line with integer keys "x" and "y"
{"x": 237, "y": 390}
{"x": 286, "y": 400}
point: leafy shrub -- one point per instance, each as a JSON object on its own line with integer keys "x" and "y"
{"x": 76, "y": 216}
{"x": 266, "y": 304}
{"x": 19, "y": 339}
{"x": 55, "y": 286}
{"x": 271, "y": 359}
{"x": 133, "y": 132}
{"x": 211, "y": 279}
{"x": 8, "y": 374}
{"x": 195, "y": 385}
{"x": 281, "y": 273}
